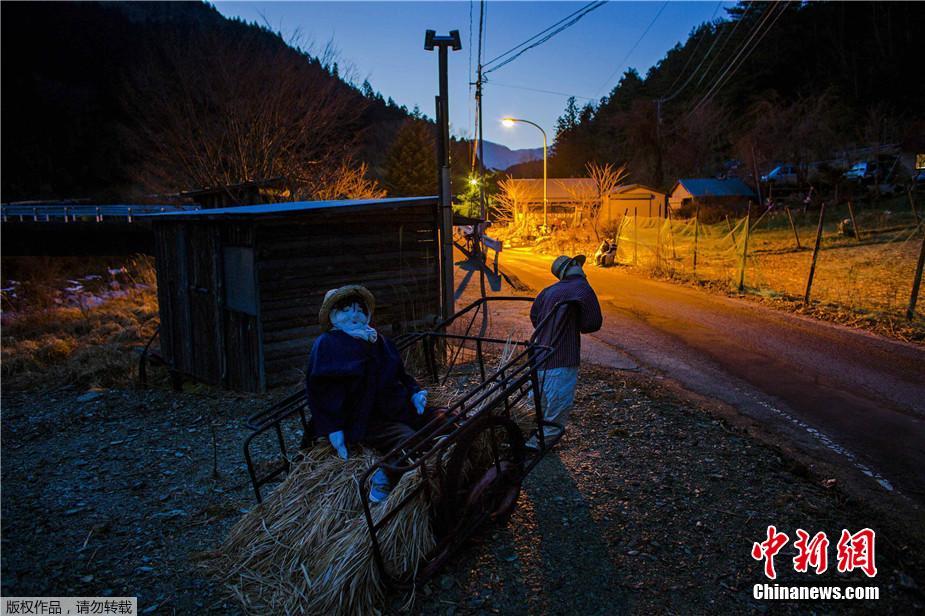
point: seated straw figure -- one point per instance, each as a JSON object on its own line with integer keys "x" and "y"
{"x": 606, "y": 254}
{"x": 358, "y": 389}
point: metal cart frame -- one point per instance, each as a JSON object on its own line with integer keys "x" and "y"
{"x": 442, "y": 449}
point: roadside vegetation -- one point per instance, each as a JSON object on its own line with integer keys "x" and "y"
{"x": 74, "y": 321}
{"x": 862, "y": 280}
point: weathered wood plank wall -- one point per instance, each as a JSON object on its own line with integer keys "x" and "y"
{"x": 391, "y": 252}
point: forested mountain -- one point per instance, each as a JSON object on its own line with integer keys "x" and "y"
{"x": 114, "y": 101}
{"x": 770, "y": 81}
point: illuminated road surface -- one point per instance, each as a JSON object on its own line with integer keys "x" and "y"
{"x": 836, "y": 393}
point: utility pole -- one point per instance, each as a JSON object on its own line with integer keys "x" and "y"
{"x": 481, "y": 156}
{"x": 443, "y": 43}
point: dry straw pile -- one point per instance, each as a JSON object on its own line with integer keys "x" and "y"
{"x": 307, "y": 550}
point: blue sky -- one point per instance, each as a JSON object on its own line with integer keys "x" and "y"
{"x": 384, "y": 42}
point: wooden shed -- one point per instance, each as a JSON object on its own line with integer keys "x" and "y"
{"x": 634, "y": 198}
{"x": 239, "y": 288}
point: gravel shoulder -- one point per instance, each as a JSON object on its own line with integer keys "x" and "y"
{"x": 649, "y": 505}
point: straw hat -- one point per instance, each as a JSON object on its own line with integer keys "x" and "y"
{"x": 334, "y": 296}
{"x": 562, "y": 263}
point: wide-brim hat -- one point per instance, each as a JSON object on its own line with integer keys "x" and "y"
{"x": 562, "y": 263}
{"x": 334, "y": 296}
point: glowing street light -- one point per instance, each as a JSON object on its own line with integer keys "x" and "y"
{"x": 473, "y": 181}
{"x": 509, "y": 122}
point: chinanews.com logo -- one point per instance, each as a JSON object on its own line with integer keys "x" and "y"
{"x": 854, "y": 551}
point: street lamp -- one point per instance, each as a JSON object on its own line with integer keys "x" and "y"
{"x": 509, "y": 122}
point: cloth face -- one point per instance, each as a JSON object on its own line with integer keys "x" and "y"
{"x": 353, "y": 321}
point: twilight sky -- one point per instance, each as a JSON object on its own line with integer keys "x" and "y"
{"x": 384, "y": 42}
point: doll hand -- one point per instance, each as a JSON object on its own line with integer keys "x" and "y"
{"x": 337, "y": 441}
{"x": 419, "y": 400}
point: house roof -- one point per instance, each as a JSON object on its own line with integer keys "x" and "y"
{"x": 710, "y": 187}
{"x": 626, "y": 188}
{"x": 286, "y": 209}
{"x": 557, "y": 188}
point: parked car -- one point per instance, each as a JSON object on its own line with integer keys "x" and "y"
{"x": 783, "y": 175}
{"x": 863, "y": 172}
{"x": 918, "y": 180}
{"x": 883, "y": 170}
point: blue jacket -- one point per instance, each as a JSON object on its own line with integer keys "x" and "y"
{"x": 351, "y": 381}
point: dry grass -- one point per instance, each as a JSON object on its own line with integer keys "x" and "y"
{"x": 865, "y": 283}
{"x": 307, "y": 550}
{"x": 90, "y": 343}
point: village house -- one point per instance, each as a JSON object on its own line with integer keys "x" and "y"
{"x": 562, "y": 195}
{"x": 688, "y": 193}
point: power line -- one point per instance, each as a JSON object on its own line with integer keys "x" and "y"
{"x": 632, "y": 49}
{"x": 541, "y": 37}
{"x": 747, "y": 48}
{"x": 725, "y": 79}
{"x": 538, "y": 34}
{"x": 731, "y": 36}
{"x": 690, "y": 59}
{"x": 517, "y": 87}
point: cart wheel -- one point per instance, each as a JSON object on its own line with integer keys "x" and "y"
{"x": 483, "y": 478}
{"x": 483, "y": 475}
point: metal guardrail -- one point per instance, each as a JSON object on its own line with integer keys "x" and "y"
{"x": 11, "y": 212}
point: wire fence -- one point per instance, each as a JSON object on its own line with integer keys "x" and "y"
{"x": 865, "y": 263}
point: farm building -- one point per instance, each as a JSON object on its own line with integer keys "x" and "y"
{"x": 633, "y": 198}
{"x": 708, "y": 192}
{"x": 562, "y": 194}
{"x": 239, "y": 288}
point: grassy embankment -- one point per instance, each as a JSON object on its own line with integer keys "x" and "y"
{"x": 75, "y": 322}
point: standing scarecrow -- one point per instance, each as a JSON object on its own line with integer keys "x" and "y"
{"x": 358, "y": 389}
{"x": 559, "y": 373}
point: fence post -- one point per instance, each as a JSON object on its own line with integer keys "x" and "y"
{"x": 812, "y": 267}
{"x": 658, "y": 245}
{"x": 696, "y": 234}
{"x": 793, "y": 227}
{"x": 635, "y": 235}
{"x": 674, "y": 253}
{"x": 854, "y": 225}
{"x": 912, "y": 203}
{"x": 916, "y": 283}
{"x": 748, "y": 217}
{"x": 617, "y": 234}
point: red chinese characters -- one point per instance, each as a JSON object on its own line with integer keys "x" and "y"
{"x": 811, "y": 552}
{"x": 769, "y": 548}
{"x": 854, "y": 551}
{"x": 857, "y": 552}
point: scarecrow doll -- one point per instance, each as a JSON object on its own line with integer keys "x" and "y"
{"x": 358, "y": 389}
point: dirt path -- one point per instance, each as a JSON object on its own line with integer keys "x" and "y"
{"x": 840, "y": 395}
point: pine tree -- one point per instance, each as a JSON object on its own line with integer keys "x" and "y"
{"x": 411, "y": 164}
{"x": 367, "y": 89}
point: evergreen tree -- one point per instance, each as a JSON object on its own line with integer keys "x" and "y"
{"x": 367, "y": 89}
{"x": 411, "y": 164}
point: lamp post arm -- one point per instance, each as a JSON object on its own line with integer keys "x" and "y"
{"x": 545, "y": 181}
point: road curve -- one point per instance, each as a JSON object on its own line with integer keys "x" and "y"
{"x": 838, "y": 391}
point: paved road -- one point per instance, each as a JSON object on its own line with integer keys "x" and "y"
{"x": 837, "y": 393}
